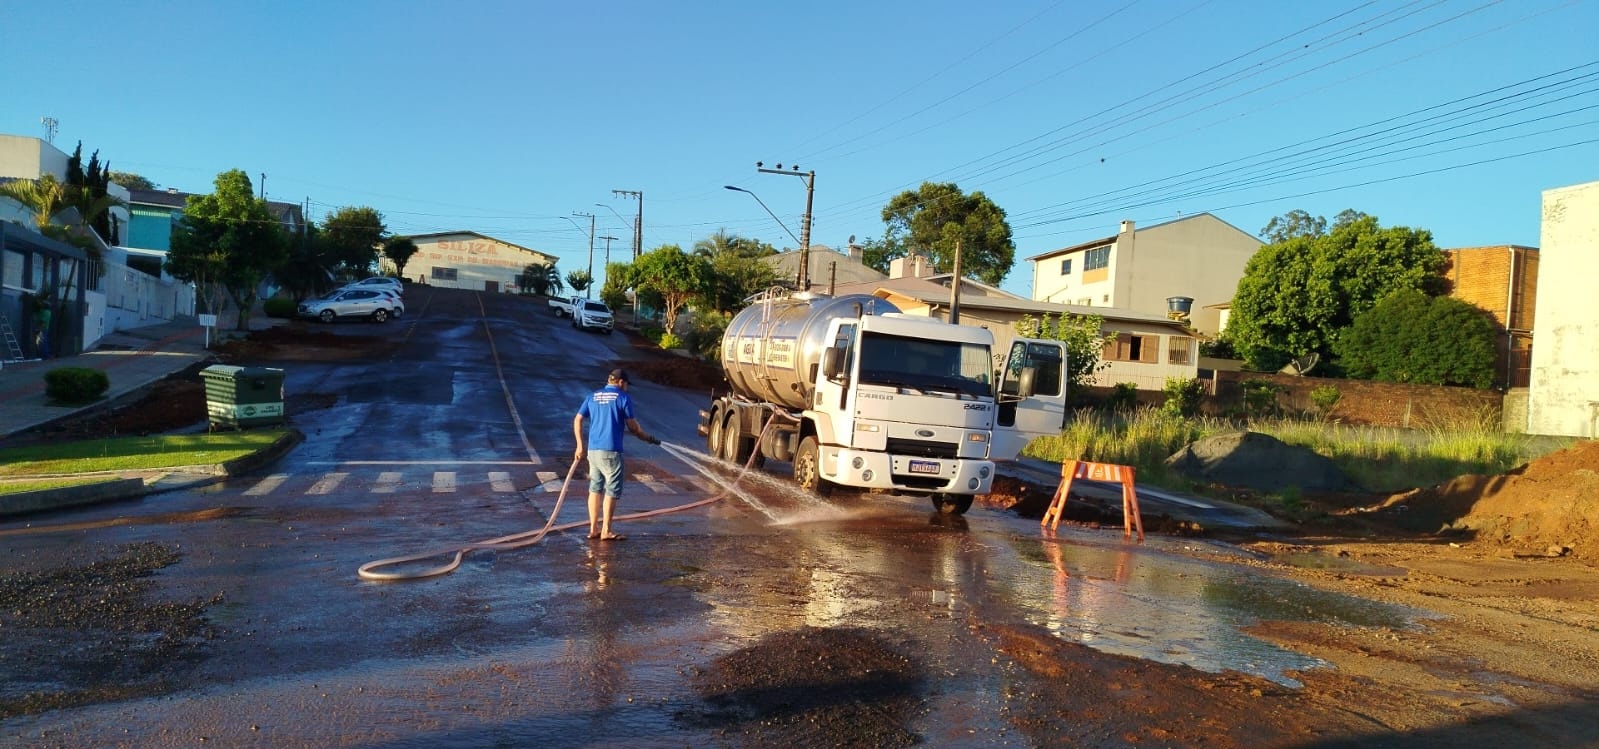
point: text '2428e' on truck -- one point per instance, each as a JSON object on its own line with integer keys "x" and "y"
{"x": 854, "y": 393}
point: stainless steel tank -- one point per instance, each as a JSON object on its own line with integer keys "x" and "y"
{"x": 771, "y": 349}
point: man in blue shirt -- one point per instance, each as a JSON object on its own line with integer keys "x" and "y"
{"x": 608, "y": 410}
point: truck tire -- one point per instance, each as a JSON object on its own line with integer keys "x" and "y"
{"x": 808, "y": 468}
{"x": 713, "y": 435}
{"x": 951, "y": 504}
{"x": 735, "y": 446}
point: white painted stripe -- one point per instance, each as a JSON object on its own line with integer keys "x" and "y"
{"x": 328, "y": 483}
{"x": 550, "y": 481}
{"x": 501, "y": 481}
{"x": 266, "y": 485}
{"x": 388, "y": 481}
{"x": 443, "y": 482}
{"x": 655, "y": 486}
{"x": 422, "y": 463}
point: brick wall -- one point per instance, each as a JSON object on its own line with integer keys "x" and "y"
{"x": 1481, "y": 276}
{"x": 1366, "y": 402}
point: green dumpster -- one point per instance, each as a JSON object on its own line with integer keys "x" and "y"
{"x": 239, "y": 397}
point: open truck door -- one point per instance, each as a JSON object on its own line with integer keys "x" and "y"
{"x": 1032, "y": 396}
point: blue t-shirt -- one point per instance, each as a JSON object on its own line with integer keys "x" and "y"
{"x": 607, "y": 410}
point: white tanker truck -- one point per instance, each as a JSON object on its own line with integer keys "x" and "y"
{"x": 860, "y": 395}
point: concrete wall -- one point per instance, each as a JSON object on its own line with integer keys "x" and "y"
{"x": 1388, "y": 404}
{"x": 30, "y": 158}
{"x": 1564, "y": 390}
{"x": 1201, "y": 257}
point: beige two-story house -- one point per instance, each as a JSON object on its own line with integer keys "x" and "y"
{"x": 1199, "y": 258}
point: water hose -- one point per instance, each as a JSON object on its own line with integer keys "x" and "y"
{"x": 369, "y": 571}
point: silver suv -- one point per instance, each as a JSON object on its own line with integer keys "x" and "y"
{"x": 372, "y": 304}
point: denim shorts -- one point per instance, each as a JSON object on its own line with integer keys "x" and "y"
{"x": 605, "y": 472}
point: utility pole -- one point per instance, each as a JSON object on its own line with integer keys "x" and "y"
{"x": 955, "y": 287}
{"x": 263, "y": 185}
{"x": 590, "y": 216}
{"x": 638, "y": 222}
{"x": 805, "y": 221}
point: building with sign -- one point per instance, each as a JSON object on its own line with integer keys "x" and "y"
{"x": 468, "y": 260}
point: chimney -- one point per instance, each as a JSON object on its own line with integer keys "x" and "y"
{"x": 1127, "y": 227}
{"x": 856, "y": 252}
{"x": 172, "y": 191}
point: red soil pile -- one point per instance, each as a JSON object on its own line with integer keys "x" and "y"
{"x": 1547, "y": 507}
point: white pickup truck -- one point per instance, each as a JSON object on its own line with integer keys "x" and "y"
{"x": 585, "y": 313}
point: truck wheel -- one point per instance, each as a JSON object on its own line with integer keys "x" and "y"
{"x": 735, "y": 446}
{"x": 808, "y": 468}
{"x": 952, "y": 504}
{"x": 713, "y": 437}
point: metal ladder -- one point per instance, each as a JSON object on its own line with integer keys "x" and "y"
{"x": 13, "y": 347}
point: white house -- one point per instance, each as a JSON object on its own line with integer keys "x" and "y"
{"x": 468, "y": 260}
{"x": 1199, "y": 258}
{"x": 1563, "y": 393}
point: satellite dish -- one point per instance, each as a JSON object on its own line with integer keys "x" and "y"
{"x": 1301, "y": 366}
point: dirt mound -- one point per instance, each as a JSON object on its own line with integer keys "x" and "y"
{"x": 1258, "y": 461}
{"x": 1547, "y": 507}
{"x": 679, "y": 372}
{"x": 300, "y": 342}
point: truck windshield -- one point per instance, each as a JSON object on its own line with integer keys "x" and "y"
{"x": 923, "y": 364}
{"x": 596, "y": 307}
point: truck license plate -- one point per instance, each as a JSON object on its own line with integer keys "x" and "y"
{"x": 924, "y": 466}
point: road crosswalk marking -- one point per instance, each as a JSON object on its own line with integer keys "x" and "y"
{"x": 328, "y": 483}
{"x": 388, "y": 481}
{"x": 266, "y": 485}
{"x": 449, "y": 482}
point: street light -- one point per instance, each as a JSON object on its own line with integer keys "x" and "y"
{"x": 591, "y": 248}
{"x": 625, "y": 221}
{"x": 768, "y": 210}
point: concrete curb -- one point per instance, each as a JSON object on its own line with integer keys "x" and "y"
{"x": 145, "y": 483}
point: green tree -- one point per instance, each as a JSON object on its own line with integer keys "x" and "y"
{"x": 936, "y": 218}
{"x": 1411, "y": 337}
{"x": 131, "y": 181}
{"x": 579, "y": 280}
{"x": 228, "y": 240}
{"x": 399, "y": 250}
{"x": 43, "y": 197}
{"x": 736, "y": 270}
{"x": 1298, "y": 294}
{"x": 676, "y": 275}
{"x": 353, "y": 236}
{"x": 1083, "y": 335}
{"x": 305, "y": 271}
{"x": 617, "y": 281}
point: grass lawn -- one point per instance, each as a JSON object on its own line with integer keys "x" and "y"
{"x": 134, "y": 453}
{"x": 18, "y": 487}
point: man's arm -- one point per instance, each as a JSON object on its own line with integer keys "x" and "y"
{"x": 577, "y": 432}
{"x": 638, "y": 431}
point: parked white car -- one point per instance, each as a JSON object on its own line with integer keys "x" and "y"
{"x": 372, "y": 304}
{"x": 588, "y": 313}
{"x": 379, "y": 282}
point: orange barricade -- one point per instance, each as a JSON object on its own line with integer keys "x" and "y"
{"x": 1108, "y": 472}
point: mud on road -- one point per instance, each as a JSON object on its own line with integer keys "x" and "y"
{"x": 1508, "y": 654}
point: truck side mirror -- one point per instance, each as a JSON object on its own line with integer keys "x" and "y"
{"x": 1025, "y": 384}
{"x": 832, "y": 363}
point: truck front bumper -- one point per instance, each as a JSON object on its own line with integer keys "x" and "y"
{"x": 880, "y": 470}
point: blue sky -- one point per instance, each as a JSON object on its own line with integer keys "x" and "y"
{"x": 506, "y": 118}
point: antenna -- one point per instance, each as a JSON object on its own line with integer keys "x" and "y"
{"x": 50, "y": 125}
{"x": 1302, "y": 365}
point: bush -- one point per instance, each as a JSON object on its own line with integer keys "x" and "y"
{"x": 1123, "y": 396}
{"x": 1260, "y": 398}
{"x": 1325, "y": 398}
{"x": 1411, "y": 337}
{"x": 671, "y": 341}
{"x": 1182, "y": 396}
{"x": 279, "y": 307}
{"x": 704, "y": 337}
{"x": 75, "y": 384}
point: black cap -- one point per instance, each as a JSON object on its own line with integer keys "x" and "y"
{"x": 619, "y": 375}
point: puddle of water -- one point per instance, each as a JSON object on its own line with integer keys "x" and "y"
{"x": 1318, "y": 561}
{"x": 1171, "y": 609}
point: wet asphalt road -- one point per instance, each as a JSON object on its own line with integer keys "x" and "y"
{"x": 464, "y": 435}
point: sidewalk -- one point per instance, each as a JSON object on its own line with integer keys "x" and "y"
{"x": 131, "y": 359}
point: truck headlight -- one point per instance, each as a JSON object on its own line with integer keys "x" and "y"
{"x": 977, "y": 437}
{"x": 861, "y": 426}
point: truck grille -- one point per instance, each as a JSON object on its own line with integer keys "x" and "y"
{"x": 922, "y": 448}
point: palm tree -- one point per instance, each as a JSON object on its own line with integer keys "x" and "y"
{"x": 44, "y": 196}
